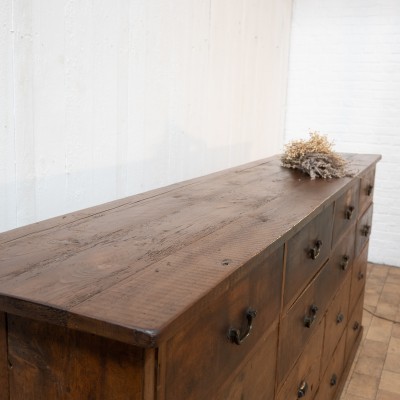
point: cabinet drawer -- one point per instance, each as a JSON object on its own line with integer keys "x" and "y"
{"x": 303, "y": 318}
{"x": 307, "y": 252}
{"x": 342, "y": 257}
{"x": 256, "y": 379}
{"x": 204, "y": 349}
{"x": 363, "y": 230}
{"x": 346, "y": 211}
{"x": 336, "y": 321}
{"x": 305, "y": 373}
{"x": 367, "y": 189}
{"x": 330, "y": 380}
{"x": 354, "y": 326}
{"x": 359, "y": 275}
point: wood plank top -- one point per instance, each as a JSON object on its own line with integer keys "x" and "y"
{"x": 137, "y": 268}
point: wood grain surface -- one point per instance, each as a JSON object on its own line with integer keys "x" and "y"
{"x": 135, "y": 269}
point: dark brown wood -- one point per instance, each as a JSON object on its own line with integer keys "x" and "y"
{"x": 204, "y": 347}
{"x": 4, "y": 388}
{"x": 256, "y": 378}
{"x": 354, "y": 326}
{"x": 336, "y": 320}
{"x": 300, "y": 264}
{"x": 51, "y": 362}
{"x": 346, "y": 211}
{"x": 77, "y": 267}
{"x": 363, "y": 230}
{"x": 294, "y": 334}
{"x": 306, "y": 369}
{"x": 348, "y": 366}
{"x": 331, "y": 380}
{"x": 367, "y": 189}
{"x": 153, "y": 297}
{"x": 359, "y": 277}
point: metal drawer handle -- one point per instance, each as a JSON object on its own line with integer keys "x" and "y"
{"x": 360, "y": 276}
{"x": 309, "y": 319}
{"x": 349, "y": 212}
{"x": 234, "y": 334}
{"x": 333, "y": 381}
{"x": 345, "y": 262}
{"x": 314, "y": 251}
{"x": 370, "y": 188}
{"x": 356, "y": 326}
{"x": 339, "y": 318}
{"x": 302, "y": 390}
{"x": 366, "y": 230}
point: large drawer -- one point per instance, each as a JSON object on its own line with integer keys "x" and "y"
{"x": 367, "y": 189}
{"x": 306, "y": 253}
{"x": 363, "y": 230}
{"x": 304, "y": 376}
{"x": 346, "y": 211}
{"x": 204, "y": 349}
{"x": 336, "y": 321}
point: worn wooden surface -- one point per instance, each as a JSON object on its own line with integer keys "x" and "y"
{"x": 4, "y": 389}
{"x": 138, "y": 268}
{"x": 204, "y": 349}
{"x": 52, "y": 362}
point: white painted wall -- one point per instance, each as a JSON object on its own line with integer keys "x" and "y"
{"x": 100, "y": 99}
{"x": 344, "y": 81}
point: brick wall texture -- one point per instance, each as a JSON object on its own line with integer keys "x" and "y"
{"x": 344, "y": 81}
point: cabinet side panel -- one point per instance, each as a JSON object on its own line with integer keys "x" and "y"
{"x": 52, "y": 362}
{"x": 4, "y": 392}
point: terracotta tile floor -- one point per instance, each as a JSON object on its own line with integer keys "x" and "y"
{"x": 375, "y": 374}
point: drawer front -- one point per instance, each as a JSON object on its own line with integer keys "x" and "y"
{"x": 307, "y": 252}
{"x": 304, "y": 376}
{"x": 303, "y": 318}
{"x": 359, "y": 275}
{"x": 336, "y": 321}
{"x": 256, "y": 379}
{"x": 354, "y": 327}
{"x": 346, "y": 211}
{"x": 204, "y": 349}
{"x": 342, "y": 257}
{"x": 363, "y": 230}
{"x": 330, "y": 380}
{"x": 367, "y": 189}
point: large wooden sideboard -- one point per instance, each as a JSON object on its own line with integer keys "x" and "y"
{"x": 246, "y": 284}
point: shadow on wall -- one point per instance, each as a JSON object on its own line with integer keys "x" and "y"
{"x": 176, "y": 158}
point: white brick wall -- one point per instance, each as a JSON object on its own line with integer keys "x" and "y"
{"x": 344, "y": 81}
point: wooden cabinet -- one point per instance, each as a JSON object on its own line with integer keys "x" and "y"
{"x": 244, "y": 284}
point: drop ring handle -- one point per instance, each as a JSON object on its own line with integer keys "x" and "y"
{"x": 237, "y": 337}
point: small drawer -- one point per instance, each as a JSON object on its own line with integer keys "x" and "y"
{"x": 354, "y": 327}
{"x": 303, "y": 318}
{"x": 304, "y": 377}
{"x": 359, "y": 276}
{"x": 256, "y": 378}
{"x": 215, "y": 345}
{"x": 336, "y": 321}
{"x": 367, "y": 189}
{"x": 346, "y": 211}
{"x": 331, "y": 379}
{"x": 363, "y": 230}
{"x": 307, "y": 251}
{"x": 342, "y": 257}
